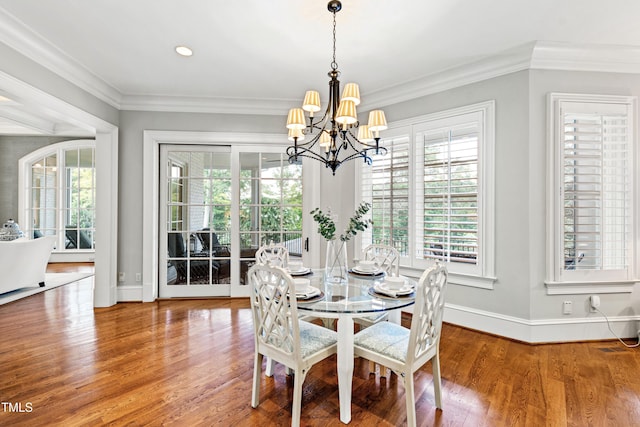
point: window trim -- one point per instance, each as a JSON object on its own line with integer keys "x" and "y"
{"x": 485, "y": 277}
{"x": 24, "y": 195}
{"x": 554, "y": 283}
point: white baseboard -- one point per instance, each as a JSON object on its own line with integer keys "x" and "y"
{"x": 541, "y": 331}
{"x": 130, "y": 293}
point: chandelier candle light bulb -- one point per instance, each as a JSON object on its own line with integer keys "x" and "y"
{"x": 332, "y": 139}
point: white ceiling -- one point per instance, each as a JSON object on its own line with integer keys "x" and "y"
{"x": 269, "y": 52}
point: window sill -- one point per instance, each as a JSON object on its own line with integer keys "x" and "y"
{"x": 575, "y": 288}
{"x": 456, "y": 278}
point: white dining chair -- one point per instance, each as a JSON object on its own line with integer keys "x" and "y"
{"x": 273, "y": 254}
{"x": 406, "y": 350}
{"x": 280, "y": 335}
{"x": 387, "y": 258}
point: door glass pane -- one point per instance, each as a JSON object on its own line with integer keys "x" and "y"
{"x": 271, "y": 201}
{"x": 199, "y": 207}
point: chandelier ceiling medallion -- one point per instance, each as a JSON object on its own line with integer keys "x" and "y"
{"x": 331, "y": 139}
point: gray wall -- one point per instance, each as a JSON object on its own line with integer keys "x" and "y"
{"x": 520, "y": 173}
{"x": 132, "y": 126}
{"x": 511, "y": 293}
{"x": 13, "y": 148}
{"x": 543, "y": 82}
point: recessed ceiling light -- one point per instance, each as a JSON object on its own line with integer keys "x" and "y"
{"x": 184, "y": 51}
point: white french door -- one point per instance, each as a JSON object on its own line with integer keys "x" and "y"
{"x": 218, "y": 204}
{"x": 195, "y": 221}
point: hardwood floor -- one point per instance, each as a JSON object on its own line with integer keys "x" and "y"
{"x": 189, "y": 363}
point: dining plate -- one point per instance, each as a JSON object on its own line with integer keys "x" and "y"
{"x": 384, "y": 294}
{"x": 311, "y": 291}
{"x": 302, "y": 272}
{"x": 374, "y": 273}
{"x": 404, "y": 289}
{"x": 385, "y": 290}
{"x": 305, "y": 299}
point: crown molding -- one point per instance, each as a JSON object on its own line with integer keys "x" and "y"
{"x": 510, "y": 61}
{"x": 193, "y": 104}
{"x": 540, "y": 55}
{"x": 582, "y": 57}
{"x": 22, "y": 39}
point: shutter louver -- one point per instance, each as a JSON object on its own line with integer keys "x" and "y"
{"x": 385, "y": 184}
{"x": 596, "y": 191}
{"x": 451, "y": 194}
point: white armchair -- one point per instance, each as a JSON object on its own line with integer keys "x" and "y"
{"x": 23, "y": 262}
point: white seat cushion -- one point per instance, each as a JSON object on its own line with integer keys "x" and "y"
{"x": 386, "y": 338}
{"x": 314, "y": 338}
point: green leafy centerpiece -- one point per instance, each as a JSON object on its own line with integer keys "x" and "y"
{"x": 336, "y": 260}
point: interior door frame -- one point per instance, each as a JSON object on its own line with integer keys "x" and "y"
{"x": 152, "y": 140}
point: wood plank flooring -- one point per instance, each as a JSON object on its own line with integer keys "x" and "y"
{"x": 189, "y": 363}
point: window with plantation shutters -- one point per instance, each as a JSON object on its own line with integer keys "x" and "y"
{"x": 432, "y": 195}
{"x": 450, "y": 193}
{"x": 386, "y": 186}
{"x": 593, "y": 186}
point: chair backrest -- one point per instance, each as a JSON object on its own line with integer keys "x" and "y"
{"x": 275, "y": 316}
{"x": 77, "y": 241}
{"x": 176, "y": 247}
{"x": 208, "y": 239}
{"x": 386, "y": 257}
{"x": 426, "y": 323}
{"x": 273, "y": 254}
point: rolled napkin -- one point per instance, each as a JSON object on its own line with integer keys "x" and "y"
{"x": 308, "y": 293}
{"x": 394, "y": 293}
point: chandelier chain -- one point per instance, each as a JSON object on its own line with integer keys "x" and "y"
{"x": 334, "y": 64}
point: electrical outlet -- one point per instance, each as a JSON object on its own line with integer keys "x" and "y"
{"x": 594, "y": 303}
{"x": 567, "y": 307}
{"x": 138, "y": 277}
{"x": 121, "y": 276}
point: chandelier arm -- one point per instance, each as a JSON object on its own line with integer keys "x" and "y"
{"x": 322, "y": 123}
{"x": 377, "y": 147}
{"x": 311, "y": 143}
{"x": 303, "y": 152}
{"x": 359, "y": 155}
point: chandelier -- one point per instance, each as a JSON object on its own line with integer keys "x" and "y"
{"x": 333, "y": 139}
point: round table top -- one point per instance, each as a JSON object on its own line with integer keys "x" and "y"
{"x": 356, "y": 296}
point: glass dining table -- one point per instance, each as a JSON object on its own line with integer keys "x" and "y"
{"x": 345, "y": 301}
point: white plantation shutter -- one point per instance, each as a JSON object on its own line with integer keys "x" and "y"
{"x": 596, "y": 176}
{"x": 450, "y": 193}
{"x": 433, "y": 193}
{"x": 385, "y": 184}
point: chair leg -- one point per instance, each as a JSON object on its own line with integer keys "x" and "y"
{"x": 329, "y": 323}
{"x": 410, "y": 399}
{"x": 296, "y": 405}
{"x": 437, "y": 382}
{"x": 271, "y": 365}
{"x": 257, "y": 372}
{"x": 384, "y": 371}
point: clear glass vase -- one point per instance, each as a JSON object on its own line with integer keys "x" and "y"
{"x": 335, "y": 270}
